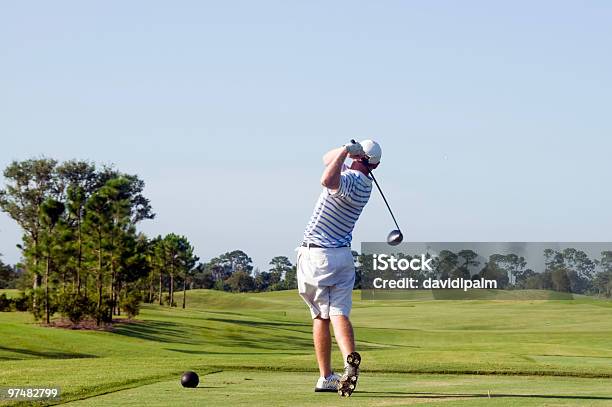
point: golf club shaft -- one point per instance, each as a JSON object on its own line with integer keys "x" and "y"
{"x": 385, "y": 199}
{"x": 381, "y": 194}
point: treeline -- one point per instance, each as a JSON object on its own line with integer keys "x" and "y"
{"x": 80, "y": 248}
{"x": 233, "y": 271}
{"x": 9, "y": 276}
{"x": 83, "y": 257}
{"x": 567, "y": 270}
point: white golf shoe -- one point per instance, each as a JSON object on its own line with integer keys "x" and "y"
{"x": 329, "y": 384}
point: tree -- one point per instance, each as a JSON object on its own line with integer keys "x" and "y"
{"x": 240, "y": 282}
{"x": 560, "y": 280}
{"x": 516, "y": 267}
{"x": 291, "y": 279}
{"x": 158, "y": 262}
{"x": 81, "y": 180}
{"x": 231, "y": 262}
{"x": 447, "y": 264}
{"x": 202, "y": 277}
{"x": 606, "y": 261}
{"x": 29, "y": 184}
{"x": 280, "y": 266}
{"x": 97, "y": 224}
{"x": 366, "y": 271}
{"x": 8, "y": 275}
{"x": 111, "y": 213}
{"x": 121, "y": 232}
{"x": 50, "y": 213}
{"x": 181, "y": 260}
{"x": 581, "y": 270}
{"x": 526, "y": 279}
{"x": 155, "y": 268}
{"x": 579, "y": 261}
{"x": 578, "y": 268}
{"x": 262, "y": 281}
{"x": 140, "y": 207}
{"x": 552, "y": 259}
{"x": 603, "y": 279}
{"x": 79, "y": 227}
{"x": 468, "y": 261}
{"x": 493, "y": 270}
{"x": 223, "y": 266}
{"x": 132, "y": 268}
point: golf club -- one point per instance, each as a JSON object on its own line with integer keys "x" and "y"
{"x": 395, "y": 237}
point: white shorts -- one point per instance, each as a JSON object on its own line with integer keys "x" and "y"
{"x": 325, "y": 280}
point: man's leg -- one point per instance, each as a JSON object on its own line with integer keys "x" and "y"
{"x": 343, "y": 330}
{"x": 322, "y": 343}
{"x": 346, "y": 342}
{"x": 341, "y": 304}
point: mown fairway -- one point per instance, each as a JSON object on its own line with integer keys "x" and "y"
{"x": 256, "y": 349}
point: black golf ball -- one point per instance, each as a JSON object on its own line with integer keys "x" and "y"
{"x": 190, "y": 379}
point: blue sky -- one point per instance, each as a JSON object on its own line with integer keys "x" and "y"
{"x": 494, "y": 118}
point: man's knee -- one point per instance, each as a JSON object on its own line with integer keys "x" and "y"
{"x": 320, "y": 328}
{"x": 343, "y": 319}
{"x": 342, "y": 325}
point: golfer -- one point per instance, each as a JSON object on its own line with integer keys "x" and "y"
{"x": 325, "y": 268}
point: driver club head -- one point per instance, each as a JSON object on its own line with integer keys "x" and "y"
{"x": 395, "y": 237}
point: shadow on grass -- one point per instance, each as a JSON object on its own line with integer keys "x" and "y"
{"x": 43, "y": 354}
{"x": 264, "y": 324}
{"x": 158, "y": 331}
{"x": 425, "y": 395}
{"x": 276, "y": 340}
{"x": 203, "y": 352}
{"x": 172, "y": 332}
{"x": 272, "y": 341}
{"x": 273, "y": 336}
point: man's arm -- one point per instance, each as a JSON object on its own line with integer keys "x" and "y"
{"x": 331, "y": 154}
{"x": 333, "y": 161}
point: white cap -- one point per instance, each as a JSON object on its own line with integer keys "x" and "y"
{"x": 372, "y": 150}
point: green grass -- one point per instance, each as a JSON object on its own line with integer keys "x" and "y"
{"x": 10, "y": 293}
{"x": 437, "y": 352}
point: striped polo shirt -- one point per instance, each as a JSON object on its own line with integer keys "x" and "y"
{"x": 335, "y": 214}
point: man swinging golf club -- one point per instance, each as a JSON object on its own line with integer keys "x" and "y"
{"x": 325, "y": 268}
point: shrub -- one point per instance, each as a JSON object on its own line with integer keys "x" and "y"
{"x": 241, "y": 281}
{"x": 104, "y": 313}
{"x": 220, "y": 285}
{"x": 166, "y": 301}
{"x": 5, "y": 303}
{"x": 36, "y": 303}
{"x": 130, "y": 303}
{"x": 277, "y": 286}
{"x": 74, "y": 306}
{"x": 21, "y": 302}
